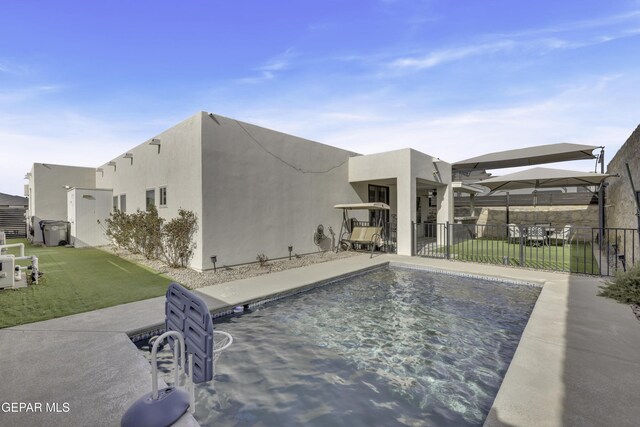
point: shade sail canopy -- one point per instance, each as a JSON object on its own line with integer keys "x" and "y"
{"x": 529, "y": 156}
{"x": 367, "y": 206}
{"x": 543, "y": 178}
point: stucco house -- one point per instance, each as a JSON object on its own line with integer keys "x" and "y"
{"x": 47, "y": 193}
{"x": 254, "y": 190}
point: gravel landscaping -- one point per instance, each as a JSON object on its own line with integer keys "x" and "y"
{"x": 194, "y": 279}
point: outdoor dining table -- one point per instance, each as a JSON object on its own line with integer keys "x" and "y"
{"x": 537, "y": 235}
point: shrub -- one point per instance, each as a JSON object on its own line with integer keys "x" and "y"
{"x": 262, "y": 260}
{"x": 177, "y": 238}
{"x": 119, "y": 230}
{"x": 144, "y": 232}
{"x": 139, "y": 232}
{"x": 151, "y": 226}
{"x": 624, "y": 287}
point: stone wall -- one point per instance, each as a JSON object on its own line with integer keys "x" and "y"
{"x": 582, "y": 218}
{"x": 620, "y": 206}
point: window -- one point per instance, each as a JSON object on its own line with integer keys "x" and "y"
{"x": 163, "y": 196}
{"x": 123, "y": 202}
{"x": 115, "y": 203}
{"x": 151, "y": 198}
{"x": 380, "y": 194}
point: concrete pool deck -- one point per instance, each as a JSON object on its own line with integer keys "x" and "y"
{"x": 578, "y": 362}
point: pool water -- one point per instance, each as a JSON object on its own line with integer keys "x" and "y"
{"x": 390, "y": 347}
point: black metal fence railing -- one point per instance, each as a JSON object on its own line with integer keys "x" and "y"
{"x": 431, "y": 239}
{"x": 541, "y": 246}
{"x": 389, "y": 233}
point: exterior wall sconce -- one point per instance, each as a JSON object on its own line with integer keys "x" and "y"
{"x": 214, "y": 259}
{"x": 155, "y": 141}
{"x": 100, "y": 170}
{"x": 290, "y": 250}
{"x": 128, "y": 156}
{"x": 114, "y": 164}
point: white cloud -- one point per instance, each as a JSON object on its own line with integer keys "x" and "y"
{"x": 13, "y": 68}
{"x": 448, "y": 55}
{"x": 585, "y": 113}
{"x": 270, "y": 68}
{"x": 62, "y": 137}
{"x": 27, "y": 93}
{"x": 570, "y": 35}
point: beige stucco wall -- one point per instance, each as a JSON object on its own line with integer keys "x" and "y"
{"x": 264, "y": 190}
{"x": 620, "y": 207}
{"x": 406, "y": 166}
{"x": 47, "y": 192}
{"x": 178, "y": 166}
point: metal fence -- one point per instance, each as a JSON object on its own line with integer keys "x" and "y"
{"x": 13, "y": 222}
{"x": 389, "y": 233}
{"x": 538, "y": 246}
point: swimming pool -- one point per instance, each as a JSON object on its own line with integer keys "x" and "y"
{"x": 394, "y": 346}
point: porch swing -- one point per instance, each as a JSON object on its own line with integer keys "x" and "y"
{"x": 352, "y": 236}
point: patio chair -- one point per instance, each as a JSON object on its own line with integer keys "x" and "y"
{"x": 514, "y": 232}
{"x": 365, "y": 235}
{"x": 562, "y": 236}
{"x": 536, "y": 236}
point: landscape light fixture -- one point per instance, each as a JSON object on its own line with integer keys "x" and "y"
{"x": 128, "y": 156}
{"x": 155, "y": 141}
{"x": 214, "y": 259}
{"x": 290, "y": 249}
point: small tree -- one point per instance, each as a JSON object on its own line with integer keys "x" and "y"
{"x": 177, "y": 238}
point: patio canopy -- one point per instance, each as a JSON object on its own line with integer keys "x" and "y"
{"x": 543, "y": 178}
{"x": 367, "y": 206}
{"x": 529, "y": 156}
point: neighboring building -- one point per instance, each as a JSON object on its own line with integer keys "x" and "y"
{"x": 12, "y": 215}
{"x": 47, "y": 192}
{"x": 258, "y": 191}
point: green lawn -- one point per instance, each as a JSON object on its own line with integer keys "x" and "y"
{"x": 576, "y": 258}
{"x": 75, "y": 281}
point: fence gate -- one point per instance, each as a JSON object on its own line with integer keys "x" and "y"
{"x": 431, "y": 240}
{"x": 540, "y": 246}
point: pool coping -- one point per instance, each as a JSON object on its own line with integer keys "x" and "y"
{"x": 555, "y": 377}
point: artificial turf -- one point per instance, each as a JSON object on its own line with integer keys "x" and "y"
{"x": 75, "y": 281}
{"x": 574, "y": 258}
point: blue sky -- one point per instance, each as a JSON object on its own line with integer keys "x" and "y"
{"x": 80, "y": 82}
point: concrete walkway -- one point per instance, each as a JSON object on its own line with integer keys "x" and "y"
{"x": 578, "y": 362}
